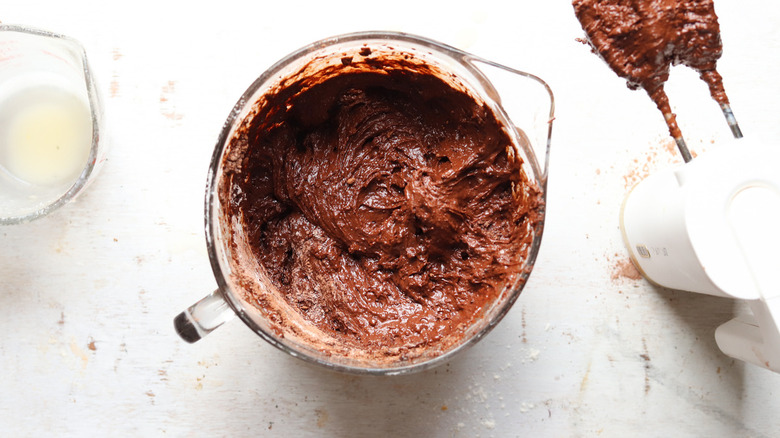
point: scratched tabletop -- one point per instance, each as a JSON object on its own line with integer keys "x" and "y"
{"x": 88, "y": 294}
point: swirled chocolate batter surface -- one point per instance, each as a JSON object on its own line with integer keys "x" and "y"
{"x": 387, "y": 206}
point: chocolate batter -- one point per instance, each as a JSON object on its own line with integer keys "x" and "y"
{"x": 640, "y": 39}
{"x": 386, "y": 206}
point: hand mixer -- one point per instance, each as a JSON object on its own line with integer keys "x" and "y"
{"x": 712, "y": 226}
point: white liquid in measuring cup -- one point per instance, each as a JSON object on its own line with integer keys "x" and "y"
{"x": 45, "y": 133}
{"x": 49, "y": 123}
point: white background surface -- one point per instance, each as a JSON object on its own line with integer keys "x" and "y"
{"x": 88, "y": 294}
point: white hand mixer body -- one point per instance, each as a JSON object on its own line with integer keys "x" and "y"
{"x": 712, "y": 226}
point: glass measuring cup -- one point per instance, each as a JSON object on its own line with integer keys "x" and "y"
{"x": 525, "y": 109}
{"x": 50, "y": 122}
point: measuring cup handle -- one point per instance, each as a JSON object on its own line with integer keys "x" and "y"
{"x": 203, "y": 317}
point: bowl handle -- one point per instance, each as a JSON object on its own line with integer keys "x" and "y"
{"x": 203, "y": 317}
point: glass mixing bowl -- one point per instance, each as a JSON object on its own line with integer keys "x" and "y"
{"x": 524, "y": 106}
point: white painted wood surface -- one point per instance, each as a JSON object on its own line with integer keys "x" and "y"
{"x": 87, "y": 294}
